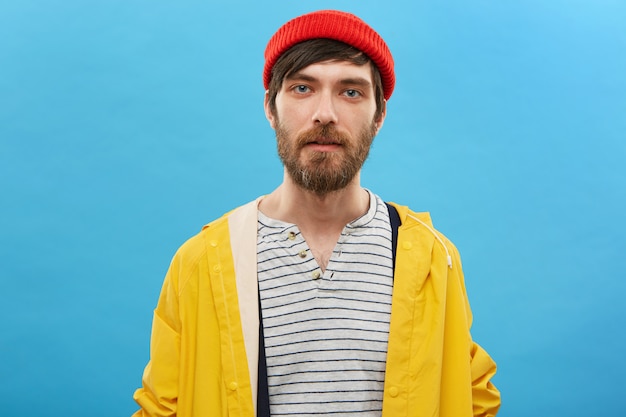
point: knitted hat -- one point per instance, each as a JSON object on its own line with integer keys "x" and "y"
{"x": 337, "y": 25}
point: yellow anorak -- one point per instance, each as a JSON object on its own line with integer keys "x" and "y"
{"x": 205, "y": 334}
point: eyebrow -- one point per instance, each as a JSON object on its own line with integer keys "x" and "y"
{"x": 361, "y": 82}
{"x": 358, "y": 81}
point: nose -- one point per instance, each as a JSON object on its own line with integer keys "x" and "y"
{"x": 325, "y": 111}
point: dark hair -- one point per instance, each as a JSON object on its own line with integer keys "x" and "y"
{"x": 312, "y": 51}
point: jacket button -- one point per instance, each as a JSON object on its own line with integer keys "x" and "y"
{"x": 233, "y": 386}
{"x": 216, "y": 268}
{"x": 213, "y": 243}
{"x": 407, "y": 245}
{"x": 393, "y": 391}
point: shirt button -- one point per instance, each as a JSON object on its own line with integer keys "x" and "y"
{"x": 407, "y": 245}
{"x": 214, "y": 243}
{"x": 393, "y": 391}
{"x": 216, "y": 268}
{"x": 233, "y": 386}
{"x": 316, "y": 274}
{"x": 302, "y": 253}
{"x": 291, "y": 236}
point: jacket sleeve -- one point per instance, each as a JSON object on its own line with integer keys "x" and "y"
{"x": 159, "y": 392}
{"x": 486, "y": 397}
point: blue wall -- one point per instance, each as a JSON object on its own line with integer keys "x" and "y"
{"x": 127, "y": 125}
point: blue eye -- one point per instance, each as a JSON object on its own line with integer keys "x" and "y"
{"x": 301, "y": 89}
{"x": 352, "y": 93}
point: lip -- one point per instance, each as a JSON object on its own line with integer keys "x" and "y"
{"x": 323, "y": 147}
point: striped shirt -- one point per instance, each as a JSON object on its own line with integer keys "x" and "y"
{"x": 326, "y": 331}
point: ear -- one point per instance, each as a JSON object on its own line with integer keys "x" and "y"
{"x": 381, "y": 119}
{"x": 269, "y": 115}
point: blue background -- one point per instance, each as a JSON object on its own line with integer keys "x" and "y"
{"x": 127, "y": 125}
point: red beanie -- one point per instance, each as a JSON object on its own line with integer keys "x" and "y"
{"x": 337, "y": 25}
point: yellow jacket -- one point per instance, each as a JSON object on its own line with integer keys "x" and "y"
{"x": 204, "y": 343}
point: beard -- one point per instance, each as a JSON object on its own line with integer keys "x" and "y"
{"x": 324, "y": 172}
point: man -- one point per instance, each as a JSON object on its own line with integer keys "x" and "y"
{"x": 318, "y": 298}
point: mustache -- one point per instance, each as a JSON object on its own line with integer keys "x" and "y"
{"x": 324, "y": 134}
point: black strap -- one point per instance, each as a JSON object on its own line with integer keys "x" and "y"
{"x": 394, "y": 218}
{"x": 263, "y": 395}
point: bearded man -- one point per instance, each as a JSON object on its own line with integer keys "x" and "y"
{"x": 319, "y": 298}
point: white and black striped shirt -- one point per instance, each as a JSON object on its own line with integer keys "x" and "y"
{"x": 326, "y": 332}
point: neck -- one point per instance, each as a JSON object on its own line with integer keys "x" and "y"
{"x": 308, "y": 210}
